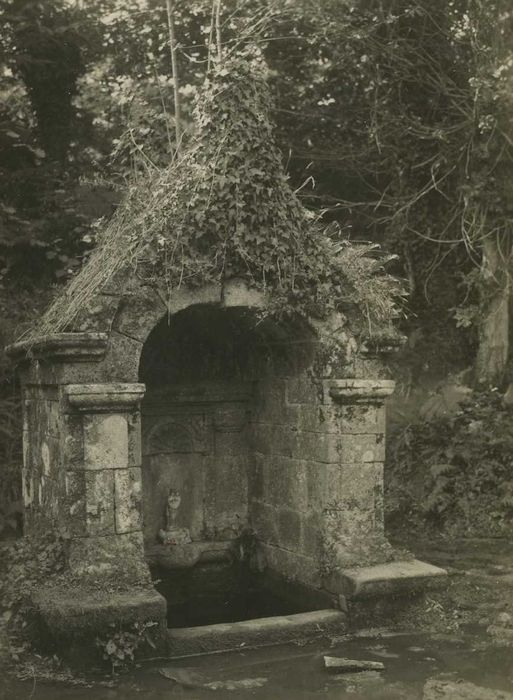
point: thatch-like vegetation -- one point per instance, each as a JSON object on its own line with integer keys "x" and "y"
{"x": 225, "y": 208}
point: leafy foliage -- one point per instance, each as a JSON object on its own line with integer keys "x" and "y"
{"x": 120, "y": 647}
{"x": 23, "y": 565}
{"x": 452, "y": 474}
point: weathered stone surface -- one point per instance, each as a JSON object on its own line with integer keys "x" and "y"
{"x": 105, "y": 441}
{"x": 138, "y": 315}
{"x": 311, "y": 536}
{"x": 134, "y": 439}
{"x": 61, "y": 347}
{"x": 97, "y": 314}
{"x": 121, "y": 362}
{"x": 338, "y": 664}
{"x": 316, "y": 485}
{"x": 235, "y": 292}
{"x": 301, "y": 390}
{"x": 264, "y": 521}
{"x": 285, "y": 482}
{"x": 73, "y": 505}
{"x": 353, "y": 419}
{"x": 261, "y": 632}
{"x": 109, "y": 397}
{"x": 320, "y": 447}
{"x": 73, "y": 619}
{"x": 128, "y": 499}
{"x": 256, "y": 483}
{"x": 291, "y": 565}
{"x": 358, "y": 390}
{"x": 72, "y": 441}
{"x": 99, "y": 502}
{"x": 289, "y": 529}
{"x": 391, "y": 578}
{"x": 361, "y": 448}
{"x": 108, "y": 554}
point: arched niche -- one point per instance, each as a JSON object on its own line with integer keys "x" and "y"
{"x": 208, "y": 371}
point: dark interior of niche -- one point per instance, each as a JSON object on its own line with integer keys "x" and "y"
{"x": 208, "y": 343}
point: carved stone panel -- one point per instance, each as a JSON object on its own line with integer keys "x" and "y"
{"x": 183, "y": 434}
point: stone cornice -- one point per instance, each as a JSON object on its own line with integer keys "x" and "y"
{"x": 108, "y": 397}
{"x": 352, "y": 391}
{"x": 61, "y": 347}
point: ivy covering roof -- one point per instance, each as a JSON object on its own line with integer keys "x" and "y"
{"x": 225, "y": 208}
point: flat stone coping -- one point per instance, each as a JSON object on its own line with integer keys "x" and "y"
{"x": 69, "y": 611}
{"x": 389, "y": 579}
{"x": 104, "y": 397}
{"x": 79, "y": 347}
{"x": 184, "y": 556}
{"x": 359, "y": 390}
{"x": 265, "y": 631}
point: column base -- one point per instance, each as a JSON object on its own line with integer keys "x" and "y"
{"x": 393, "y": 594}
{"x": 78, "y": 622}
{"x": 392, "y": 578}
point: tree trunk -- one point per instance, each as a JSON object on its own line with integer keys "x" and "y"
{"x": 493, "y": 349}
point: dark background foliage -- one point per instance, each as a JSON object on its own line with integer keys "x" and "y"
{"x": 393, "y": 118}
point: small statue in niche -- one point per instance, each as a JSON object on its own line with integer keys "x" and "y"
{"x": 173, "y": 534}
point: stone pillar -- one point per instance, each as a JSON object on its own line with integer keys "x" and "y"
{"x": 353, "y": 519}
{"x": 359, "y": 563}
{"x": 102, "y": 445}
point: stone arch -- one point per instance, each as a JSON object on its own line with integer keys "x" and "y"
{"x": 138, "y": 314}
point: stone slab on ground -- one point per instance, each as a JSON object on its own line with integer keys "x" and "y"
{"x": 254, "y": 633}
{"x": 390, "y": 579}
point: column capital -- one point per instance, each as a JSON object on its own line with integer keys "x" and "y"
{"x": 61, "y": 347}
{"x": 107, "y": 397}
{"x": 351, "y": 391}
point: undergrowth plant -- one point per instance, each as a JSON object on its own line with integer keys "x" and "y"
{"x": 120, "y": 645}
{"x": 452, "y": 474}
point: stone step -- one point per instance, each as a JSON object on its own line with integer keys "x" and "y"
{"x": 265, "y": 631}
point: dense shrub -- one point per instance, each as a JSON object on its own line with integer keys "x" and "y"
{"x": 452, "y": 474}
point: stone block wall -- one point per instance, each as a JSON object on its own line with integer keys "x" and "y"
{"x": 316, "y": 484}
{"x": 287, "y": 454}
{"x": 195, "y": 441}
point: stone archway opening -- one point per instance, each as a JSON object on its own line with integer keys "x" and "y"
{"x": 213, "y": 413}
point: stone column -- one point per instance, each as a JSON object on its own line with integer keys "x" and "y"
{"x": 353, "y": 520}
{"x": 102, "y": 446}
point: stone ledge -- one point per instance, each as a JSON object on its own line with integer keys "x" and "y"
{"x": 358, "y": 390}
{"x": 260, "y": 632}
{"x": 390, "y": 579}
{"x": 70, "y": 620}
{"x": 172, "y": 557}
{"x": 61, "y": 347}
{"x": 71, "y": 611}
{"x": 104, "y": 397}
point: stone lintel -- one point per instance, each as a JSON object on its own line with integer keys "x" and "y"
{"x": 352, "y": 391}
{"x": 61, "y": 347}
{"x": 393, "y": 578}
{"x": 107, "y": 397}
